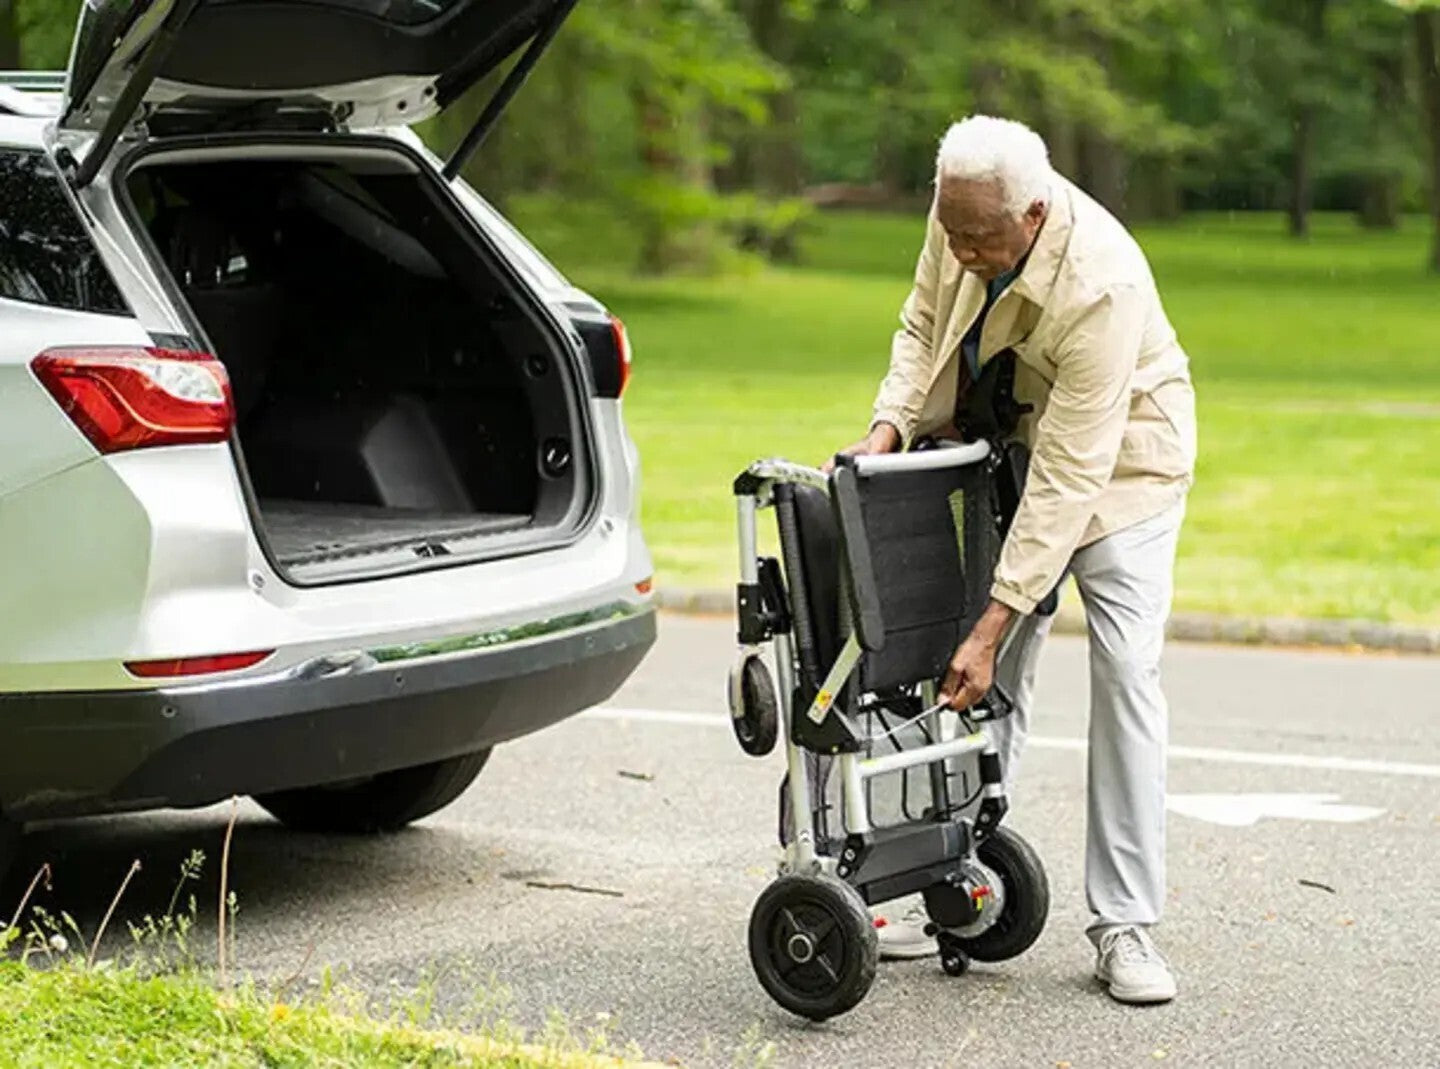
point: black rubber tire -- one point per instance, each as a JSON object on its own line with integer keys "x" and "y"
{"x": 846, "y": 950}
{"x": 1027, "y": 899}
{"x": 954, "y": 961}
{"x": 758, "y": 730}
{"x": 382, "y": 803}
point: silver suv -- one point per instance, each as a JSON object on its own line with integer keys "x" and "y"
{"x": 313, "y": 479}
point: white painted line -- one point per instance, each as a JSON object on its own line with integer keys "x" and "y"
{"x": 1247, "y": 810}
{"x": 1319, "y": 762}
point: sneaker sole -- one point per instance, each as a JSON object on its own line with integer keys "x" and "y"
{"x": 1137, "y": 996}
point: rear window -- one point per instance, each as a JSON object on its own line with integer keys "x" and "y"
{"x": 46, "y": 256}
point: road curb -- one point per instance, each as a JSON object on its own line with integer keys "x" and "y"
{"x": 1183, "y": 627}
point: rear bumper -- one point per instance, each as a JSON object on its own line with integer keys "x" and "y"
{"x": 75, "y": 754}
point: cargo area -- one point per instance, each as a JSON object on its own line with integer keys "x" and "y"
{"x": 397, "y": 403}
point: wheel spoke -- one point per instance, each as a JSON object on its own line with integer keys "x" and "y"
{"x": 822, "y": 931}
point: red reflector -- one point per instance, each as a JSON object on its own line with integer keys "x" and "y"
{"x": 196, "y": 666}
{"x": 622, "y": 350}
{"x": 125, "y": 397}
{"x": 644, "y": 586}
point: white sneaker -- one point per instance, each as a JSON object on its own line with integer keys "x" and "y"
{"x": 1132, "y": 968}
{"x": 903, "y": 939}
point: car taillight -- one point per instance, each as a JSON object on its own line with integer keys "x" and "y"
{"x": 607, "y": 345}
{"x": 196, "y": 666}
{"x": 623, "y": 354}
{"x": 127, "y": 397}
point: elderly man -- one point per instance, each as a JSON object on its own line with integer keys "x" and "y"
{"x": 1016, "y": 257}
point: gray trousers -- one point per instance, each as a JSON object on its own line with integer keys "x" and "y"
{"x": 1125, "y": 581}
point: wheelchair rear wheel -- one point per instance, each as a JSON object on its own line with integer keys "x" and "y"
{"x": 1027, "y": 899}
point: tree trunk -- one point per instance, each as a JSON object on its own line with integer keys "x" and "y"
{"x": 987, "y": 83}
{"x": 653, "y": 139}
{"x": 1102, "y": 161}
{"x": 1302, "y": 163}
{"x": 1105, "y": 170}
{"x": 892, "y": 150}
{"x": 1064, "y": 144}
{"x": 892, "y": 170}
{"x": 1380, "y": 201}
{"x": 1302, "y": 177}
{"x": 9, "y": 37}
{"x": 775, "y": 162}
{"x": 781, "y": 166}
{"x": 570, "y": 166}
{"x": 1153, "y": 190}
{"x": 671, "y": 135}
{"x": 1427, "y": 44}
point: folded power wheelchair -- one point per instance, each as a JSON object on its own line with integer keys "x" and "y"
{"x": 884, "y": 566}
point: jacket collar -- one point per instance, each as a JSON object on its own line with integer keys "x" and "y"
{"x": 1043, "y": 266}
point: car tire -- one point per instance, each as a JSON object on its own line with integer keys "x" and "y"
{"x": 382, "y": 803}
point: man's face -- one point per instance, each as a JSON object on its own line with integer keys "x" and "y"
{"x": 984, "y": 236}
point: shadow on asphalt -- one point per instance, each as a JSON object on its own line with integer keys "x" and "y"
{"x": 272, "y": 870}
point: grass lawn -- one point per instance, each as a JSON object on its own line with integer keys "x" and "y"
{"x": 68, "y": 1017}
{"x": 1317, "y": 367}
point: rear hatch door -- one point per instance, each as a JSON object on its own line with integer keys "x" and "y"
{"x": 268, "y": 64}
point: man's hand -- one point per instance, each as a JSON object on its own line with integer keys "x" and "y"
{"x": 972, "y": 669}
{"x": 883, "y": 438}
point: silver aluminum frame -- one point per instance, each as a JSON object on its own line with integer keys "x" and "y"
{"x": 854, "y": 770}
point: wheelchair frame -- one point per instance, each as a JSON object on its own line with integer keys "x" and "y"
{"x": 881, "y": 863}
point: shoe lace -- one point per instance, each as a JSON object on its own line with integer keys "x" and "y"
{"x": 1130, "y": 947}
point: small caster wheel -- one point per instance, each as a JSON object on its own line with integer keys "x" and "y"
{"x": 813, "y": 945}
{"x": 954, "y": 963}
{"x": 953, "y": 958}
{"x": 754, "y": 709}
{"x": 1026, "y": 899}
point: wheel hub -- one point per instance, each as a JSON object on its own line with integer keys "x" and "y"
{"x": 970, "y": 903}
{"x": 801, "y": 948}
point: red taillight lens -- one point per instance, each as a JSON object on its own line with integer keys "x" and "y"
{"x": 622, "y": 352}
{"x": 132, "y": 398}
{"x": 196, "y": 666}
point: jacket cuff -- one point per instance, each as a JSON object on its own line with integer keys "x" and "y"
{"x": 895, "y": 420}
{"x": 1013, "y": 597}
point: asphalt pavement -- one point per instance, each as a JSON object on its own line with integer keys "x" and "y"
{"x": 604, "y": 870}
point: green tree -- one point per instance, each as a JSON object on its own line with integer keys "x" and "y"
{"x": 45, "y": 31}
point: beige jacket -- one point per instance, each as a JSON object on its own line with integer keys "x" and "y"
{"x": 1112, "y": 436}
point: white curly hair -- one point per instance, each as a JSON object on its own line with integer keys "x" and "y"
{"x": 984, "y": 148}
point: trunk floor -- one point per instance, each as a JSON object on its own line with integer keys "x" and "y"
{"x": 302, "y": 532}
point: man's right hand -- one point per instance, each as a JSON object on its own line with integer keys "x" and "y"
{"x": 883, "y": 438}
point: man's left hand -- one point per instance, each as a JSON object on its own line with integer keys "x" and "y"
{"x": 972, "y": 669}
